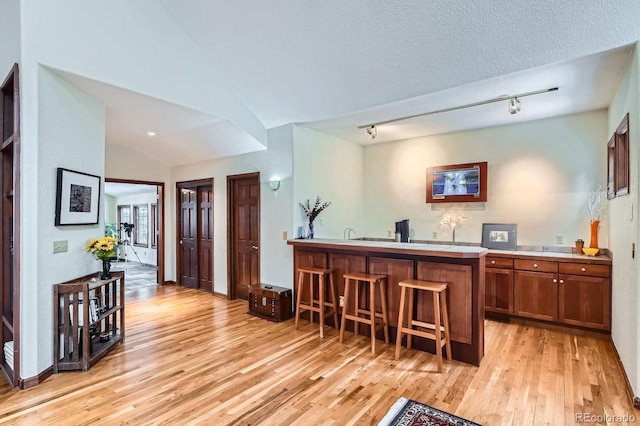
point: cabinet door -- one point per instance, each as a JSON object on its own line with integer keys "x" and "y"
{"x": 536, "y": 295}
{"x": 585, "y": 301}
{"x": 498, "y": 290}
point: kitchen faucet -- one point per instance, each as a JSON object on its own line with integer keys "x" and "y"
{"x": 347, "y": 233}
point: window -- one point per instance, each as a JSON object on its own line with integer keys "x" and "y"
{"x": 154, "y": 225}
{"x": 124, "y": 216}
{"x": 141, "y": 225}
{"x": 618, "y": 160}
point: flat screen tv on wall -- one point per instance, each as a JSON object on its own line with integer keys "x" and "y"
{"x": 457, "y": 183}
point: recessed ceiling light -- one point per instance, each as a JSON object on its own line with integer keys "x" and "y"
{"x": 151, "y": 133}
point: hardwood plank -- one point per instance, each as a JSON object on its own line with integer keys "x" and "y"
{"x": 193, "y": 358}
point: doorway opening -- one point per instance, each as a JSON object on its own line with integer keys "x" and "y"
{"x": 134, "y": 213}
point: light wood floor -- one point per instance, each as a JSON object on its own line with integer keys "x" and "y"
{"x": 193, "y": 358}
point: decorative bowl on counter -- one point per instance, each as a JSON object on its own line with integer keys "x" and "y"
{"x": 590, "y": 251}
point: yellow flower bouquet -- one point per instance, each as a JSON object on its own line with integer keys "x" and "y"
{"x": 103, "y": 248}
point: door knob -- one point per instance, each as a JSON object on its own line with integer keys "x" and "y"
{"x": 254, "y": 247}
{"x": 180, "y": 242}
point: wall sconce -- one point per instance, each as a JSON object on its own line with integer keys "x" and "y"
{"x": 274, "y": 185}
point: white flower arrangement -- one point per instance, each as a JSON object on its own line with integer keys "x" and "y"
{"x": 452, "y": 220}
{"x": 596, "y": 204}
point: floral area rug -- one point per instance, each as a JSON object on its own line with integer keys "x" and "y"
{"x": 407, "y": 412}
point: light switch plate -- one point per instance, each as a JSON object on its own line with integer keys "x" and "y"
{"x": 60, "y": 246}
{"x": 560, "y": 239}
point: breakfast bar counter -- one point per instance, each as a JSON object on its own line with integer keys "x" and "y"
{"x": 462, "y": 267}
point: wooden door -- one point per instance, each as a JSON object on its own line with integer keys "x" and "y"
{"x": 188, "y": 276}
{"x": 195, "y": 234}
{"x": 205, "y": 237}
{"x": 536, "y": 295}
{"x": 244, "y": 204}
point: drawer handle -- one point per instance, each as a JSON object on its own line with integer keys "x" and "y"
{"x": 561, "y": 281}
{"x": 583, "y": 269}
{"x": 493, "y": 262}
{"x": 535, "y": 265}
{"x": 555, "y": 280}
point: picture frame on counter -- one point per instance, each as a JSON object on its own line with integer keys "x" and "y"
{"x": 499, "y": 236}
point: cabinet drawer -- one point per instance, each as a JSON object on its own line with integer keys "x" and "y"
{"x": 585, "y": 269}
{"x": 498, "y": 262}
{"x": 535, "y": 265}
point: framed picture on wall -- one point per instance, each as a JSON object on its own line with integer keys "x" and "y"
{"x": 77, "y": 198}
{"x": 501, "y": 236}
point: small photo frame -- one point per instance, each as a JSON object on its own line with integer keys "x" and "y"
{"x": 500, "y": 236}
{"x": 77, "y": 198}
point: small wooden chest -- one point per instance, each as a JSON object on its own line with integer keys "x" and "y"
{"x": 270, "y": 302}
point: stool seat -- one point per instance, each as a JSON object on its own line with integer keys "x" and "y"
{"x": 366, "y": 315}
{"x": 424, "y": 285}
{"x": 324, "y": 308}
{"x": 440, "y": 327}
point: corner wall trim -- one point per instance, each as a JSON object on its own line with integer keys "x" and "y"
{"x": 34, "y": 381}
{"x": 634, "y": 399}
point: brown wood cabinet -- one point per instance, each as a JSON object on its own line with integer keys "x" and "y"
{"x": 498, "y": 285}
{"x": 88, "y": 320}
{"x": 536, "y": 295}
{"x": 564, "y": 290}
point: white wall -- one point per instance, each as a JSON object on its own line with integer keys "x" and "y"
{"x": 62, "y": 127}
{"x": 540, "y": 175}
{"x": 134, "y": 253}
{"x": 110, "y": 209}
{"x": 624, "y": 230}
{"x": 9, "y": 36}
{"x": 333, "y": 169}
{"x": 276, "y": 257}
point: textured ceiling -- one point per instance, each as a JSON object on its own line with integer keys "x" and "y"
{"x": 333, "y": 65}
{"x": 305, "y": 61}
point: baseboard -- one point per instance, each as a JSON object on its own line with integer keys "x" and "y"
{"x": 220, "y": 295}
{"x": 634, "y": 399}
{"x": 35, "y": 381}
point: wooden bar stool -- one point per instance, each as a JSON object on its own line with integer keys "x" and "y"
{"x": 441, "y": 317}
{"x": 370, "y": 314}
{"x": 323, "y": 307}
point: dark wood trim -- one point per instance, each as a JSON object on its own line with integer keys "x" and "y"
{"x": 230, "y": 226}
{"x": 160, "y": 253}
{"x": 634, "y": 399}
{"x": 35, "y": 381}
{"x": 11, "y": 85}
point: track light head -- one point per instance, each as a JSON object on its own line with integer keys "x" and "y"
{"x": 372, "y": 131}
{"x": 514, "y": 105}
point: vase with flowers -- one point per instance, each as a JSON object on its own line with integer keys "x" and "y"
{"x": 103, "y": 249}
{"x": 596, "y": 211}
{"x": 452, "y": 220}
{"x": 313, "y": 212}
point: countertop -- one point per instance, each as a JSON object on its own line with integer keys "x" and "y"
{"x": 437, "y": 250}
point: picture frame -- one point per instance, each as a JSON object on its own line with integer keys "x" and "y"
{"x": 457, "y": 183}
{"x": 499, "y": 236}
{"x": 77, "y": 198}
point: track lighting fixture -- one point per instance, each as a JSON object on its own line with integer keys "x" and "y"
{"x": 514, "y": 108}
{"x": 372, "y": 131}
{"x": 514, "y": 105}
